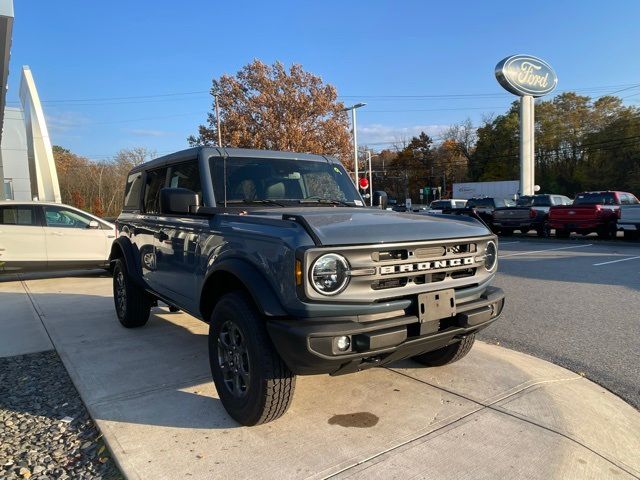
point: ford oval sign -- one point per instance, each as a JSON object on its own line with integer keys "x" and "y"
{"x": 526, "y": 75}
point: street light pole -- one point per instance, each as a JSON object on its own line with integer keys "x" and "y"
{"x": 215, "y": 97}
{"x": 370, "y": 180}
{"x": 355, "y": 137}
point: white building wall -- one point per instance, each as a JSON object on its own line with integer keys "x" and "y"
{"x": 14, "y": 154}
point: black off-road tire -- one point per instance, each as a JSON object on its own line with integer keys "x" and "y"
{"x": 132, "y": 302}
{"x": 449, "y": 354}
{"x": 608, "y": 231}
{"x": 254, "y": 384}
{"x": 562, "y": 233}
{"x": 544, "y": 231}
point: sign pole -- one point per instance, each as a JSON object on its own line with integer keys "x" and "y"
{"x": 528, "y": 77}
{"x": 526, "y": 145}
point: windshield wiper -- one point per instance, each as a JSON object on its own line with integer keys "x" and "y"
{"x": 265, "y": 201}
{"x": 326, "y": 201}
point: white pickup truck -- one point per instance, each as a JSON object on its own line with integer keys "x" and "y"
{"x": 629, "y": 220}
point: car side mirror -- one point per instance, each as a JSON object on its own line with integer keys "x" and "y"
{"x": 380, "y": 199}
{"x": 178, "y": 201}
{"x": 93, "y": 224}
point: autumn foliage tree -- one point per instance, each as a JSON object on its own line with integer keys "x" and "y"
{"x": 271, "y": 107}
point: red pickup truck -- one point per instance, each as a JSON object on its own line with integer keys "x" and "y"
{"x": 590, "y": 212}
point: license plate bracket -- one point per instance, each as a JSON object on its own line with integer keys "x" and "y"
{"x": 436, "y": 305}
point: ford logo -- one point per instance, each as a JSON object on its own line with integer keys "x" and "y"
{"x": 526, "y": 75}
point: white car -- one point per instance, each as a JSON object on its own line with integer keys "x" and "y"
{"x": 51, "y": 236}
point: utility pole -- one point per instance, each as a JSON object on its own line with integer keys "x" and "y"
{"x": 370, "y": 180}
{"x": 444, "y": 182}
{"x": 215, "y": 97}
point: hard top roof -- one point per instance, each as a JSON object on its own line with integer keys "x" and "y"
{"x": 194, "y": 152}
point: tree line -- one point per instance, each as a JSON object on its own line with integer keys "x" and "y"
{"x": 96, "y": 187}
{"x": 580, "y": 144}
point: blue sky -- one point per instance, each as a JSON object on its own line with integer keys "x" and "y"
{"x": 89, "y": 58}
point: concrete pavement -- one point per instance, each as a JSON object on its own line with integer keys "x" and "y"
{"x": 495, "y": 414}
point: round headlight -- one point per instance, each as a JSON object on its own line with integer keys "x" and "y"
{"x": 329, "y": 274}
{"x": 490, "y": 255}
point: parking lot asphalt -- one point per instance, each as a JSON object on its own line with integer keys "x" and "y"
{"x": 575, "y": 303}
{"x": 497, "y": 413}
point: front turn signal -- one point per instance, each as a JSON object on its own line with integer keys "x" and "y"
{"x": 298, "y": 272}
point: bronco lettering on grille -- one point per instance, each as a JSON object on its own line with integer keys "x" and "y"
{"x": 422, "y": 266}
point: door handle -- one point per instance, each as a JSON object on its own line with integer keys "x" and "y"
{"x": 161, "y": 235}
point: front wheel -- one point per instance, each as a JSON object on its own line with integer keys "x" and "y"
{"x": 254, "y": 384}
{"x": 132, "y": 302}
{"x": 449, "y": 354}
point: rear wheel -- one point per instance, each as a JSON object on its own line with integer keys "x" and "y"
{"x": 607, "y": 231}
{"x": 132, "y": 302}
{"x": 449, "y": 354}
{"x": 506, "y": 232}
{"x": 562, "y": 233}
{"x": 631, "y": 234}
{"x": 544, "y": 231}
{"x": 254, "y": 384}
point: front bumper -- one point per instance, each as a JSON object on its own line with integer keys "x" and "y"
{"x": 307, "y": 345}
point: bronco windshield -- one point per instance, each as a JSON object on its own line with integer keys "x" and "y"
{"x": 280, "y": 182}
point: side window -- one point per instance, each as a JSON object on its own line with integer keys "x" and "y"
{"x": 132, "y": 192}
{"x": 624, "y": 199}
{"x": 633, "y": 200}
{"x": 186, "y": 175}
{"x": 18, "y": 215}
{"x": 155, "y": 182}
{"x": 60, "y": 217}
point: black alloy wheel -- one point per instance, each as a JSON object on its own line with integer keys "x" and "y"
{"x": 233, "y": 359}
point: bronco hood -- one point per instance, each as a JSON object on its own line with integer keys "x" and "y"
{"x": 357, "y": 226}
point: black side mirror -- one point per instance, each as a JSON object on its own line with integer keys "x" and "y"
{"x": 380, "y": 199}
{"x": 178, "y": 200}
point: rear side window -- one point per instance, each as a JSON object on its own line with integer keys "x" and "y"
{"x": 440, "y": 204}
{"x": 596, "y": 198}
{"x": 542, "y": 201}
{"x": 155, "y": 182}
{"x": 480, "y": 202}
{"x": 18, "y": 215}
{"x": 132, "y": 192}
{"x": 186, "y": 175}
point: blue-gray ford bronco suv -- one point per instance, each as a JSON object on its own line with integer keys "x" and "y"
{"x": 294, "y": 274}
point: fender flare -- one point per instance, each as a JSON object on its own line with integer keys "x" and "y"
{"x": 124, "y": 245}
{"x": 253, "y": 281}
